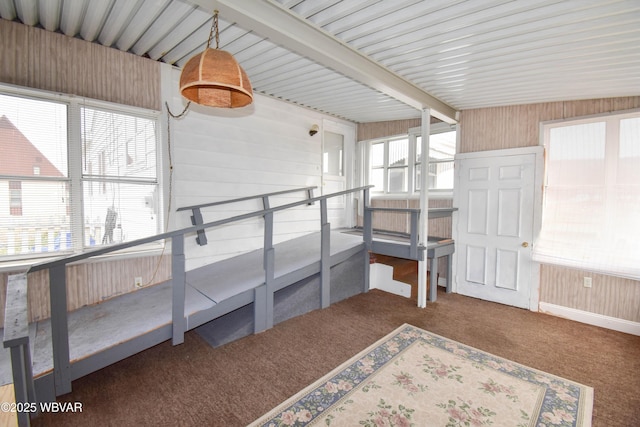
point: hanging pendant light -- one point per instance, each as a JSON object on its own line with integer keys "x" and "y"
{"x": 214, "y": 78}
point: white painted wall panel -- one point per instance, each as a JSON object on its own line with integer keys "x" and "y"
{"x": 224, "y": 154}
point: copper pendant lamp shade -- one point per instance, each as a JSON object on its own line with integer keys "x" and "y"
{"x": 214, "y": 78}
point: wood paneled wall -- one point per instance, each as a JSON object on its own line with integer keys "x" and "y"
{"x": 608, "y": 296}
{"x": 438, "y": 227}
{"x": 375, "y": 130}
{"x": 40, "y": 59}
{"x": 518, "y": 126}
{"x": 400, "y": 222}
{"x": 91, "y": 283}
{"x": 367, "y": 131}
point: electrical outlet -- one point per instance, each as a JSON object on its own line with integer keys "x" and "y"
{"x": 138, "y": 282}
{"x": 587, "y": 282}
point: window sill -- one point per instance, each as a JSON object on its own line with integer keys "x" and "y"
{"x": 23, "y": 265}
{"x": 433, "y": 195}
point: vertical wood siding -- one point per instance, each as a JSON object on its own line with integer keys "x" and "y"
{"x": 518, "y": 125}
{"x": 608, "y": 296}
{"x": 367, "y": 131}
{"x": 400, "y": 222}
{"x": 375, "y": 130}
{"x": 54, "y": 62}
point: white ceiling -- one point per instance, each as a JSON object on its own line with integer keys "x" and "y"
{"x": 378, "y": 60}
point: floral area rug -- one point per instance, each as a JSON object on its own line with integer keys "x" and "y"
{"x": 412, "y": 377}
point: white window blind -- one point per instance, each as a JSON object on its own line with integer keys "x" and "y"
{"x": 34, "y": 180}
{"x": 591, "y": 211}
{"x": 118, "y": 176}
{"x": 398, "y": 166}
{"x": 377, "y": 166}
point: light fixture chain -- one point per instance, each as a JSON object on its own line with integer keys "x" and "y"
{"x": 214, "y": 26}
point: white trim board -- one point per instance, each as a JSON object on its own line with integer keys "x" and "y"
{"x": 381, "y": 277}
{"x": 595, "y": 319}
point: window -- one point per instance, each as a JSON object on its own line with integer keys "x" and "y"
{"x": 78, "y": 173}
{"x": 377, "y": 166}
{"x": 592, "y": 195}
{"x": 389, "y": 162}
{"x": 332, "y": 154}
{"x": 394, "y": 164}
{"x": 15, "y": 198}
{"x": 442, "y": 148}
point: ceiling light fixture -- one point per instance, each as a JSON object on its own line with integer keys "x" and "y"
{"x": 214, "y": 78}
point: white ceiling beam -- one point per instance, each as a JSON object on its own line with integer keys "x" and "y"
{"x": 284, "y": 28}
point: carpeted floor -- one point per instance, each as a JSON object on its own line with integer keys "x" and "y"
{"x": 196, "y": 385}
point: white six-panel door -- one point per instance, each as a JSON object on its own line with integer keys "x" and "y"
{"x": 495, "y": 199}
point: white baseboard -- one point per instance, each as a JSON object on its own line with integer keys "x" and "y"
{"x": 620, "y": 325}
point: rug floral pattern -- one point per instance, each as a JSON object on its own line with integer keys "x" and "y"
{"x": 415, "y": 378}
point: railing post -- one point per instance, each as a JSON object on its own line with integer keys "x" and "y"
{"x": 60, "y": 329}
{"x": 19, "y": 358}
{"x": 264, "y": 295}
{"x": 16, "y": 338}
{"x": 266, "y": 322}
{"x": 268, "y": 228}
{"x": 178, "y": 285}
{"x": 260, "y": 308}
{"x": 310, "y": 195}
{"x": 367, "y": 235}
{"x": 325, "y": 256}
{"x": 413, "y": 248}
{"x": 367, "y": 225}
{"x": 196, "y": 219}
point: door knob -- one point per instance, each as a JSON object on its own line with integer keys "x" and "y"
{"x": 525, "y": 244}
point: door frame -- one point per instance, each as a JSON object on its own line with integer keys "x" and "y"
{"x": 538, "y": 151}
{"x": 349, "y": 134}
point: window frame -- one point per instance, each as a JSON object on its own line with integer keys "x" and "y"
{"x": 15, "y": 197}
{"x": 436, "y": 128}
{"x": 608, "y": 184}
{"x": 385, "y": 167}
{"x": 75, "y": 178}
{"x": 412, "y": 166}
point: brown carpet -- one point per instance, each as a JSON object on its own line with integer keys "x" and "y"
{"x": 195, "y": 385}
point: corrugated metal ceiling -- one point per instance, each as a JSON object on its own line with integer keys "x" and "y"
{"x": 468, "y": 54}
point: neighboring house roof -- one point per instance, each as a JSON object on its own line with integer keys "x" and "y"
{"x": 19, "y": 155}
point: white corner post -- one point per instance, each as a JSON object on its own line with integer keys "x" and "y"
{"x": 423, "y": 223}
